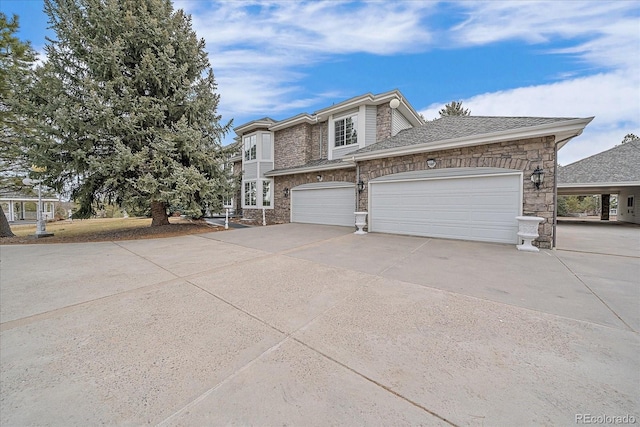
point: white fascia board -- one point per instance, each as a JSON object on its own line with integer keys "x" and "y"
{"x": 295, "y": 120}
{"x": 600, "y": 184}
{"x": 255, "y": 124}
{"x": 343, "y": 165}
{"x": 369, "y": 99}
{"x": 569, "y": 127}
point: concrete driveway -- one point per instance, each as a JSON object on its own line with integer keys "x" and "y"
{"x": 311, "y": 325}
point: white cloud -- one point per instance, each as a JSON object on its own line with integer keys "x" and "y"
{"x": 612, "y": 98}
{"x": 261, "y": 51}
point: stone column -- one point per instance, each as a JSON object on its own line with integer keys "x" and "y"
{"x": 604, "y": 214}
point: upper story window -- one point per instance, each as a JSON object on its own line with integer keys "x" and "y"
{"x": 250, "y": 147}
{"x": 346, "y": 131}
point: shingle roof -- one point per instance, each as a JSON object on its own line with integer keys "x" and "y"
{"x": 618, "y": 164}
{"x": 452, "y": 127}
{"x": 310, "y": 166}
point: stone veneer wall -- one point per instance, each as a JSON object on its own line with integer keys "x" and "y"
{"x": 524, "y": 155}
{"x": 299, "y": 144}
{"x": 292, "y": 146}
{"x": 282, "y": 206}
{"x": 383, "y": 122}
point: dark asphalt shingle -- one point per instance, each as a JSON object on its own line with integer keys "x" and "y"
{"x": 618, "y": 164}
{"x": 457, "y": 127}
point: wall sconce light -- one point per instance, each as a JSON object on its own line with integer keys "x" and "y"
{"x": 537, "y": 177}
{"x": 286, "y": 192}
{"x": 360, "y": 186}
{"x": 431, "y": 163}
{"x": 319, "y": 178}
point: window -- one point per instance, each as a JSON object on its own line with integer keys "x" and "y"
{"x": 250, "y": 193}
{"x": 250, "y": 147}
{"x": 630, "y": 201}
{"x": 346, "y": 131}
{"x": 266, "y": 193}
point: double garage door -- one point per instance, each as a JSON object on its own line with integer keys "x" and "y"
{"x": 460, "y": 203}
{"x": 330, "y": 203}
{"x": 464, "y": 203}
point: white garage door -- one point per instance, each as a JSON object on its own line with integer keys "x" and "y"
{"x": 459, "y": 203}
{"x": 331, "y": 203}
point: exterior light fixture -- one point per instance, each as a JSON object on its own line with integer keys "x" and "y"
{"x": 394, "y": 103}
{"x": 286, "y": 192}
{"x": 537, "y": 177}
{"x": 319, "y": 178}
{"x": 360, "y": 186}
{"x": 431, "y": 163}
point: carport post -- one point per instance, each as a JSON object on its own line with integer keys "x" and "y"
{"x": 605, "y": 206}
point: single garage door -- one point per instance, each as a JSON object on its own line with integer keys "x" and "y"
{"x": 458, "y": 203}
{"x": 330, "y": 203}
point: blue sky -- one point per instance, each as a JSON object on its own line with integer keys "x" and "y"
{"x": 514, "y": 58}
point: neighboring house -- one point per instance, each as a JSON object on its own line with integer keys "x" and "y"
{"x": 454, "y": 177}
{"x": 19, "y": 207}
{"x": 615, "y": 171}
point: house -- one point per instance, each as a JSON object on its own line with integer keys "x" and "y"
{"x": 19, "y": 207}
{"x": 615, "y": 171}
{"x": 454, "y": 177}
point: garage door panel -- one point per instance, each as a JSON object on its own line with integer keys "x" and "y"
{"x": 329, "y": 206}
{"x": 479, "y": 208}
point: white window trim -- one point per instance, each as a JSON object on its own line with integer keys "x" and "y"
{"x": 246, "y": 141}
{"x": 361, "y": 126}
{"x": 259, "y": 194}
{"x": 244, "y": 194}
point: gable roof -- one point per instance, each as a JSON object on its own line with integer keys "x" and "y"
{"x": 620, "y": 165}
{"x": 323, "y": 114}
{"x": 262, "y": 123}
{"x": 460, "y": 131}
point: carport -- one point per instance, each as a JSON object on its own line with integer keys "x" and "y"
{"x": 614, "y": 171}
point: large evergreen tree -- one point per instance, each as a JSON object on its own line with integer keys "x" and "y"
{"x": 16, "y": 59}
{"x": 129, "y": 109}
{"x": 454, "y": 108}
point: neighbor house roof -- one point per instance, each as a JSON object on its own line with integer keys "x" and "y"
{"x": 460, "y": 131}
{"x": 8, "y": 195}
{"x": 619, "y": 165}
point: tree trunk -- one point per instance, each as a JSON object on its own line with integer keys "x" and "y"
{"x": 159, "y": 214}
{"x": 5, "y": 229}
